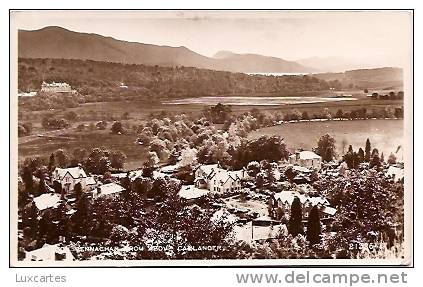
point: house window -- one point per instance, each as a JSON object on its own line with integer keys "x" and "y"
{"x": 67, "y": 187}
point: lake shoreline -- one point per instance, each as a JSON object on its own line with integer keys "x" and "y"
{"x": 385, "y": 134}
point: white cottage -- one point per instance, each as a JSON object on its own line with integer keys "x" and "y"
{"x": 395, "y": 172}
{"x": 216, "y": 179}
{"x": 108, "y": 190}
{"x": 56, "y": 87}
{"x": 46, "y": 201}
{"x": 69, "y": 177}
{"x": 306, "y": 159}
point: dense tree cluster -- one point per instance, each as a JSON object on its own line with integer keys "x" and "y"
{"x": 182, "y": 139}
{"x": 98, "y": 161}
{"x": 353, "y": 159}
{"x": 52, "y": 123}
{"x": 326, "y": 147}
{"x": 270, "y": 148}
{"x": 390, "y": 96}
{"x": 117, "y": 128}
{"x": 352, "y": 114}
{"x": 24, "y": 129}
{"x": 217, "y": 114}
{"x": 100, "y": 81}
{"x": 370, "y": 207}
{"x": 49, "y": 101}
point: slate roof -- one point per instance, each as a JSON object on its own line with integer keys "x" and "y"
{"x": 307, "y": 155}
{"x": 75, "y": 172}
{"x": 47, "y": 200}
{"x": 109, "y": 188}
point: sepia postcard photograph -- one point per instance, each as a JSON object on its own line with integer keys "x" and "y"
{"x": 211, "y": 138}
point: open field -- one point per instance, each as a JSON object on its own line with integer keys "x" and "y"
{"x": 140, "y": 110}
{"x": 88, "y": 140}
{"x": 385, "y": 135}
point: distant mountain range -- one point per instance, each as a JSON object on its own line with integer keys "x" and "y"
{"x": 56, "y": 42}
{"x": 259, "y": 64}
{"x": 378, "y": 78}
{"x": 330, "y": 64}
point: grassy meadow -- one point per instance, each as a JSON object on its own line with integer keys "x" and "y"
{"x": 88, "y": 140}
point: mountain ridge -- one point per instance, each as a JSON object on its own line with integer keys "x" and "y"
{"x": 57, "y": 42}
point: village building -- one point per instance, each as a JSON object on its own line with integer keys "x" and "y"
{"x": 119, "y": 176}
{"x": 108, "y": 190}
{"x": 55, "y": 87}
{"x": 27, "y": 94}
{"x": 191, "y": 194}
{"x": 56, "y": 252}
{"x": 260, "y": 229}
{"x": 69, "y": 177}
{"x": 218, "y": 180}
{"x": 46, "y": 201}
{"x": 170, "y": 169}
{"x": 396, "y": 172}
{"x": 90, "y": 183}
{"x": 159, "y": 174}
{"x": 306, "y": 159}
{"x": 283, "y": 200}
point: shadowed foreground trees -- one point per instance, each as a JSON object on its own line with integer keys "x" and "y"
{"x": 313, "y": 226}
{"x": 369, "y": 208}
{"x": 295, "y": 224}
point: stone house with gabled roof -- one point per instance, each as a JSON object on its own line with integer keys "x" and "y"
{"x": 69, "y": 177}
{"x": 284, "y": 199}
{"x": 306, "y": 159}
{"x": 216, "y": 179}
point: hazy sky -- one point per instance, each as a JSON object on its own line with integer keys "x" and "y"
{"x": 369, "y": 36}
